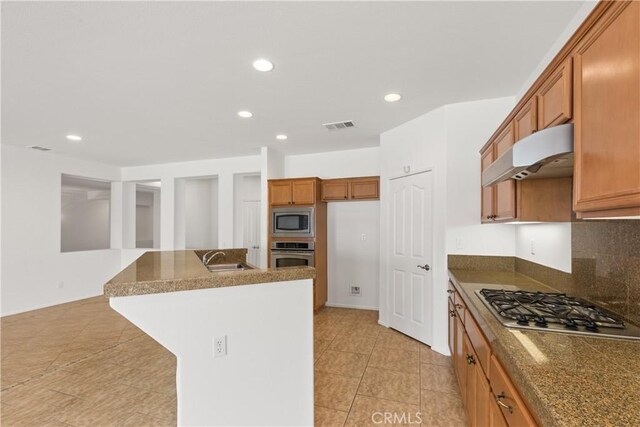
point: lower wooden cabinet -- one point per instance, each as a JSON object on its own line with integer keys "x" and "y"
{"x": 489, "y": 396}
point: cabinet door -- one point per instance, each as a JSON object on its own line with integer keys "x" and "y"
{"x": 554, "y": 98}
{"x": 335, "y": 189}
{"x": 303, "y": 192}
{"x": 470, "y": 391}
{"x": 280, "y": 193}
{"x": 483, "y": 398}
{"x": 511, "y": 404}
{"x": 607, "y": 115}
{"x": 505, "y": 192}
{"x": 459, "y": 356}
{"x": 526, "y": 121}
{"x": 495, "y": 416}
{"x": 486, "y": 210}
{"x": 365, "y": 188}
{"x": 452, "y": 328}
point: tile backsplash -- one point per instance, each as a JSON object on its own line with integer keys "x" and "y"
{"x": 605, "y": 264}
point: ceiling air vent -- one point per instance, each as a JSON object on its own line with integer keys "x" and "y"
{"x": 37, "y": 147}
{"x": 339, "y": 125}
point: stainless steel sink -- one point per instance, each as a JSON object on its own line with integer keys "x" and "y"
{"x": 214, "y": 268}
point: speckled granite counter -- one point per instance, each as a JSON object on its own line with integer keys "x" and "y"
{"x": 173, "y": 271}
{"x": 567, "y": 380}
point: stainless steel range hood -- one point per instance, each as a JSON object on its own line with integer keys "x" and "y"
{"x": 544, "y": 154}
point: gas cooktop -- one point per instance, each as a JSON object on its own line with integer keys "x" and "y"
{"x": 554, "y": 312}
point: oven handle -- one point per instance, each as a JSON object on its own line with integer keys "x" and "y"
{"x": 277, "y": 252}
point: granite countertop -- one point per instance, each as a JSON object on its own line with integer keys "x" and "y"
{"x": 567, "y": 380}
{"x": 173, "y": 271}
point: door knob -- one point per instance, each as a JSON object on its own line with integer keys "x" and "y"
{"x": 425, "y": 267}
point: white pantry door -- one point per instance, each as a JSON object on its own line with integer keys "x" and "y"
{"x": 251, "y": 231}
{"x": 410, "y": 255}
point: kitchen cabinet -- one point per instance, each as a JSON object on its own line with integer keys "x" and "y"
{"x": 361, "y": 188}
{"x": 335, "y": 189}
{"x": 555, "y": 97}
{"x": 509, "y": 401}
{"x": 489, "y": 396}
{"x": 526, "y": 121}
{"x": 607, "y": 116}
{"x": 292, "y": 192}
{"x": 486, "y": 158}
{"x": 504, "y": 201}
{"x": 365, "y": 188}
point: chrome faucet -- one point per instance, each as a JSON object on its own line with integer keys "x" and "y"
{"x": 206, "y": 260}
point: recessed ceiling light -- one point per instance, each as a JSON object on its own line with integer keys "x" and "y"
{"x": 74, "y": 138}
{"x": 392, "y": 97}
{"x": 281, "y": 137}
{"x": 245, "y": 114}
{"x": 263, "y": 65}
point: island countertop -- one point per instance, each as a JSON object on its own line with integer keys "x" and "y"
{"x": 567, "y": 380}
{"x": 173, "y": 271}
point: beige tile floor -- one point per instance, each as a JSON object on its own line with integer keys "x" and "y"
{"x": 82, "y": 364}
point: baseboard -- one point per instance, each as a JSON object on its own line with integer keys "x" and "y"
{"x": 380, "y": 322}
{"x": 358, "y": 307}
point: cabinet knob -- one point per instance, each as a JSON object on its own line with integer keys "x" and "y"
{"x": 470, "y": 359}
{"x": 450, "y": 291}
{"x": 458, "y": 306}
{"x": 452, "y": 313}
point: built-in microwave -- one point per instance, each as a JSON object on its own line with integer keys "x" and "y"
{"x": 292, "y": 222}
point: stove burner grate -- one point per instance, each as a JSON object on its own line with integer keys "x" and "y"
{"x": 543, "y": 309}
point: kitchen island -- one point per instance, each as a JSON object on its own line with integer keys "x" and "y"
{"x": 243, "y": 339}
{"x": 565, "y": 379}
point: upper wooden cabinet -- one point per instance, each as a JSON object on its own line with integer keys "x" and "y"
{"x": 554, "y": 97}
{"x": 292, "y": 191}
{"x": 486, "y": 158}
{"x": 505, "y": 192}
{"x": 335, "y": 189}
{"x": 526, "y": 121}
{"x": 607, "y": 116}
{"x": 361, "y": 188}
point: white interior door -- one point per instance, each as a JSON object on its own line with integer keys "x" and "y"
{"x": 251, "y": 231}
{"x": 410, "y": 256}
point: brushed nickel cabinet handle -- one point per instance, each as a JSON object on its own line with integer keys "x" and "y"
{"x": 504, "y": 405}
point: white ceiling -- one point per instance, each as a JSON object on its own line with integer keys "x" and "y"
{"x": 154, "y": 82}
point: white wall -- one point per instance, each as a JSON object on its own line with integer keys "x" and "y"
{"x": 351, "y": 260}
{"x": 469, "y": 127}
{"x": 266, "y": 378}
{"x": 571, "y": 28}
{"x": 172, "y": 214}
{"x": 144, "y": 219}
{"x": 201, "y": 209}
{"x": 445, "y": 141}
{"x": 33, "y": 267}
{"x": 271, "y": 167}
{"x": 245, "y": 188}
{"x": 85, "y": 220}
{"x": 551, "y": 244}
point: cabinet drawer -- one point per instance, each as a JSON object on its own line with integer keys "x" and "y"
{"x": 507, "y": 398}
{"x": 479, "y": 343}
{"x": 460, "y": 307}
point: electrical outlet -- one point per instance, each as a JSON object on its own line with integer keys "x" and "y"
{"x": 60, "y": 284}
{"x": 459, "y": 243}
{"x": 220, "y": 346}
{"x": 533, "y": 247}
{"x": 355, "y": 290}
{"x": 363, "y": 237}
